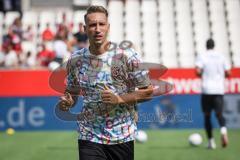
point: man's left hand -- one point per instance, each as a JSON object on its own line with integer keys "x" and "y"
{"x": 109, "y": 97}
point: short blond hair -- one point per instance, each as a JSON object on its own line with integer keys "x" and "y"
{"x": 95, "y": 9}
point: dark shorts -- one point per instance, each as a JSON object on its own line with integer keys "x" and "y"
{"x": 95, "y": 151}
{"x": 212, "y": 102}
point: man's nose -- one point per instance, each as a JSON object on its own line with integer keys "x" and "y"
{"x": 97, "y": 28}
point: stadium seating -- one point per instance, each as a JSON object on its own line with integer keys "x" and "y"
{"x": 29, "y": 47}
{"x": 201, "y": 24}
{"x": 151, "y": 52}
{"x": 233, "y": 17}
{"x": 219, "y": 26}
{"x": 68, "y": 14}
{"x": 171, "y": 32}
{"x": 133, "y": 23}
{"x": 167, "y": 33}
{"x": 99, "y": 2}
{"x": 9, "y": 18}
{"x": 116, "y": 10}
{"x": 184, "y": 33}
{"x": 78, "y": 16}
{"x": 1, "y": 26}
{"x": 30, "y": 18}
{"x": 47, "y": 17}
{"x": 1, "y": 19}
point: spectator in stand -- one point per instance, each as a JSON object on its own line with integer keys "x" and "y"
{"x": 17, "y": 47}
{"x": 64, "y": 22}
{"x": 62, "y": 31}
{"x": 11, "y": 58}
{"x": 60, "y": 48}
{"x": 80, "y": 38}
{"x": 11, "y": 38}
{"x": 47, "y": 34}
{"x": 7, "y": 39}
{"x": 28, "y": 34}
{"x": 2, "y": 58}
{"x": 30, "y": 60}
{"x": 17, "y": 27}
{"x": 45, "y": 56}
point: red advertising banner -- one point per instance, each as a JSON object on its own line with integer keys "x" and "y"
{"x": 36, "y": 82}
{"x": 25, "y": 83}
{"x": 185, "y": 81}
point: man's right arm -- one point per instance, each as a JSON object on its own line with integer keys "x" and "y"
{"x": 70, "y": 97}
{"x": 67, "y": 101}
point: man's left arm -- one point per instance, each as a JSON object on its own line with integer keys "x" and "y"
{"x": 198, "y": 71}
{"x": 227, "y": 68}
{"x": 199, "y": 66}
{"x": 140, "y": 95}
{"x": 139, "y": 80}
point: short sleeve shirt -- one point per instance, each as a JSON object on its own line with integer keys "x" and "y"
{"x": 120, "y": 71}
{"x": 213, "y": 65}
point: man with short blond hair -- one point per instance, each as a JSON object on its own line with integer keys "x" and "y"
{"x": 111, "y": 84}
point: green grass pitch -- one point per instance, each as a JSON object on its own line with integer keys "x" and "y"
{"x": 161, "y": 145}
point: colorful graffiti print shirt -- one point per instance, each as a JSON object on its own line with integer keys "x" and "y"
{"x": 117, "y": 69}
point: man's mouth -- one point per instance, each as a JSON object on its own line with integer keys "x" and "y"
{"x": 98, "y": 37}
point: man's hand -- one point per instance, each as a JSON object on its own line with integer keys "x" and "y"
{"x": 140, "y": 95}
{"x": 66, "y": 102}
{"x": 199, "y": 72}
{"x": 109, "y": 97}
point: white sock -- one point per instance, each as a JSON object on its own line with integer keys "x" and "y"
{"x": 223, "y": 130}
{"x": 211, "y": 140}
{"x": 211, "y": 143}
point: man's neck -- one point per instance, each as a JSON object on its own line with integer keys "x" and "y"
{"x": 99, "y": 49}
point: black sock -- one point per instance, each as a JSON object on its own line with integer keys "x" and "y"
{"x": 221, "y": 119}
{"x": 208, "y": 125}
